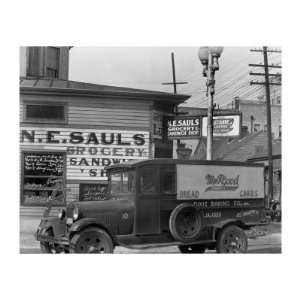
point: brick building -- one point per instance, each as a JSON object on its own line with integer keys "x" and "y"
{"x": 255, "y": 114}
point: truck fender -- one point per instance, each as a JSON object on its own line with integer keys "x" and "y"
{"x": 83, "y": 223}
{"x": 217, "y": 226}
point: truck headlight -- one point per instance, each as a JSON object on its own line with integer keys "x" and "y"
{"x": 75, "y": 213}
{"x": 61, "y": 213}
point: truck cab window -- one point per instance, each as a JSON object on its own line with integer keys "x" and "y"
{"x": 116, "y": 183}
{"x": 129, "y": 182}
{"x": 147, "y": 180}
{"x": 167, "y": 182}
{"x": 122, "y": 182}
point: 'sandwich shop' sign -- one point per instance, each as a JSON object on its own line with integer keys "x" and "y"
{"x": 88, "y": 152}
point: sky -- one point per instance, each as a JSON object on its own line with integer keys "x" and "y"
{"x": 148, "y": 67}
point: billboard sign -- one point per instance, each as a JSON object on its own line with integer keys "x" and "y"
{"x": 223, "y": 126}
{"x": 184, "y": 128}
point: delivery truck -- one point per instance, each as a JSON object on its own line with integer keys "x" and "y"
{"x": 195, "y": 205}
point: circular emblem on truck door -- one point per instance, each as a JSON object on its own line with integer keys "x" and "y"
{"x": 125, "y": 216}
{"x": 185, "y": 223}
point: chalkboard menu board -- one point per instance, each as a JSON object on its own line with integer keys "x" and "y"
{"x": 92, "y": 192}
{"x": 50, "y": 164}
{"x": 43, "y": 175}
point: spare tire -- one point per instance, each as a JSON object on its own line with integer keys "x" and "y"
{"x": 185, "y": 223}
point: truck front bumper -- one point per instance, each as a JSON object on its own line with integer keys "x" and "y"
{"x": 43, "y": 236}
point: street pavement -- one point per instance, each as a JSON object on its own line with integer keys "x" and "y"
{"x": 168, "y": 250}
{"x": 265, "y": 239}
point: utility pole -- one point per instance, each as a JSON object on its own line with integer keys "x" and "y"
{"x": 174, "y": 83}
{"x": 267, "y": 84}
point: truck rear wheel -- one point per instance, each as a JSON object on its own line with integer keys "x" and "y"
{"x": 232, "y": 239}
{"x": 192, "y": 248}
{"x": 91, "y": 240}
{"x": 185, "y": 223}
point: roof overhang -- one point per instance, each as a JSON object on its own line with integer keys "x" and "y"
{"x": 151, "y": 96}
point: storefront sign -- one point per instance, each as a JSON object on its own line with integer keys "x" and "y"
{"x": 88, "y": 152}
{"x": 223, "y": 126}
{"x": 184, "y": 128}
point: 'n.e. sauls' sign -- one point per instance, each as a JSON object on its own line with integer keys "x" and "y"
{"x": 185, "y": 127}
{"x": 88, "y": 152}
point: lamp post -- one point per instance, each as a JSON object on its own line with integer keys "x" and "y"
{"x": 209, "y": 58}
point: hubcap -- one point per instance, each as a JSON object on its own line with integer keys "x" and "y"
{"x": 234, "y": 243}
{"x": 92, "y": 243}
{"x": 187, "y": 224}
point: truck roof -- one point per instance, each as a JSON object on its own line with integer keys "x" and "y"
{"x": 170, "y": 161}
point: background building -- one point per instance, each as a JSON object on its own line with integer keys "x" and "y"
{"x": 44, "y": 62}
{"x": 255, "y": 114}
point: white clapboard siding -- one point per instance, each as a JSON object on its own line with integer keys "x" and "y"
{"x": 101, "y": 112}
{"x": 83, "y": 159}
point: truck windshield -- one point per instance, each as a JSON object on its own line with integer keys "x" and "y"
{"x": 122, "y": 182}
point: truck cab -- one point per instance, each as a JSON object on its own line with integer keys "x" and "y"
{"x": 193, "y": 204}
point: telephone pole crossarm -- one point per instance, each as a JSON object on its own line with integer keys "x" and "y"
{"x": 263, "y": 83}
{"x": 267, "y": 51}
{"x": 263, "y": 74}
{"x": 178, "y": 82}
{"x": 260, "y": 65}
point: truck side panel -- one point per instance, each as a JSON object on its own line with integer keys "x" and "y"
{"x": 219, "y": 182}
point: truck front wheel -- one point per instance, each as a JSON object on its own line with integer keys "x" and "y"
{"x": 232, "y": 239}
{"x": 91, "y": 240}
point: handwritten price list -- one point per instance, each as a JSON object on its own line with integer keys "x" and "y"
{"x": 43, "y": 164}
{"x": 92, "y": 192}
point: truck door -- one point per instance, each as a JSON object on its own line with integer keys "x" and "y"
{"x": 147, "y": 214}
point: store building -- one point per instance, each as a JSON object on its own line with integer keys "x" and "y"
{"x": 70, "y": 131}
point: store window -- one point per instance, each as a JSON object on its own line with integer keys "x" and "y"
{"x": 43, "y": 177}
{"x": 256, "y": 127}
{"x": 279, "y": 131}
{"x": 259, "y": 149}
{"x": 92, "y": 192}
{"x": 52, "y": 62}
{"x": 33, "y": 61}
{"x": 45, "y": 112}
{"x": 278, "y": 100}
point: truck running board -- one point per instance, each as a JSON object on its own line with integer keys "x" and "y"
{"x": 159, "y": 245}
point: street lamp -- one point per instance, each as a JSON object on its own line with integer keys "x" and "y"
{"x": 209, "y": 57}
